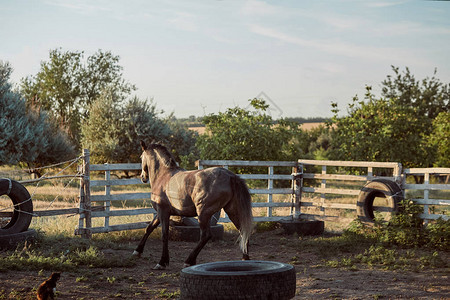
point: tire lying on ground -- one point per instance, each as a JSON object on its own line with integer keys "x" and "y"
{"x": 23, "y": 207}
{"x": 378, "y": 188}
{"x": 192, "y": 233}
{"x": 251, "y": 279}
{"x": 10, "y": 241}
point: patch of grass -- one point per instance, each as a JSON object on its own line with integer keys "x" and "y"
{"x": 164, "y": 293}
{"x": 59, "y": 252}
{"x": 266, "y": 226}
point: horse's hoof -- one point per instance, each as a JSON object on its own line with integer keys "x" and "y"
{"x": 137, "y": 254}
{"x": 159, "y": 267}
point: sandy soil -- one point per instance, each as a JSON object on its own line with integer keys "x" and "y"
{"x": 314, "y": 281}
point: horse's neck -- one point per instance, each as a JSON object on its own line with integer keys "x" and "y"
{"x": 158, "y": 173}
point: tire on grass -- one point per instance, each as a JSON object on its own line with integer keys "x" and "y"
{"x": 10, "y": 241}
{"x": 23, "y": 207}
{"x": 378, "y": 188}
{"x": 249, "y": 279}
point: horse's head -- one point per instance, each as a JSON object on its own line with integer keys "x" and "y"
{"x": 144, "y": 163}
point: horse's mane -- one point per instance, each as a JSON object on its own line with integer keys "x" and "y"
{"x": 167, "y": 157}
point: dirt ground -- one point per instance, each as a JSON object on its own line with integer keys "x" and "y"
{"x": 314, "y": 281}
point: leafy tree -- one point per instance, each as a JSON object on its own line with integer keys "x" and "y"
{"x": 440, "y": 139}
{"x": 27, "y": 135}
{"x": 380, "y": 130}
{"x": 395, "y": 127}
{"x": 429, "y": 96}
{"x": 67, "y": 84}
{"x": 240, "y": 134}
{"x": 113, "y": 130}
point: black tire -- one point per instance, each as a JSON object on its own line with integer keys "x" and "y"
{"x": 303, "y": 227}
{"x": 249, "y": 279}
{"x": 192, "y": 233}
{"x": 381, "y": 188}
{"x": 23, "y": 207}
{"x": 10, "y": 241}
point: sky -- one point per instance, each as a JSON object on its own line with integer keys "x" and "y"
{"x": 201, "y": 57}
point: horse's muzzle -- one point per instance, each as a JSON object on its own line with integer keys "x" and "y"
{"x": 144, "y": 179}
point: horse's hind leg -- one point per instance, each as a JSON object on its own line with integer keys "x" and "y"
{"x": 205, "y": 230}
{"x": 153, "y": 224}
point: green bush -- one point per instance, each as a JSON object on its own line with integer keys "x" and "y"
{"x": 407, "y": 230}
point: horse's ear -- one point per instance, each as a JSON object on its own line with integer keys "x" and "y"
{"x": 143, "y": 146}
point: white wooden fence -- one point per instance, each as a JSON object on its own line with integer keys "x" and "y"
{"x": 430, "y": 193}
{"x": 314, "y": 185}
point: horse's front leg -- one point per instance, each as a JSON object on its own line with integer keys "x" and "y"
{"x": 153, "y": 224}
{"x": 164, "y": 261}
{"x": 205, "y": 231}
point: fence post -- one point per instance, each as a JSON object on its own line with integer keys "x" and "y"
{"x": 87, "y": 195}
{"x": 270, "y": 188}
{"x": 297, "y": 182}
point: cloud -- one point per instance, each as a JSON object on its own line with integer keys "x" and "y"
{"x": 184, "y": 21}
{"x": 380, "y": 4}
{"x": 336, "y": 47}
{"x": 82, "y": 7}
{"x": 258, "y": 8}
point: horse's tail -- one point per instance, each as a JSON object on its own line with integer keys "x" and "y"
{"x": 242, "y": 195}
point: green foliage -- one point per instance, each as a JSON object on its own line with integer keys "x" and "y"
{"x": 407, "y": 230}
{"x": 240, "y": 134}
{"x": 429, "y": 96}
{"x": 395, "y": 127}
{"x": 381, "y": 130}
{"x": 113, "y": 130}
{"x": 440, "y": 140}
{"x": 59, "y": 253}
{"x": 67, "y": 84}
{"x": 27, "y": 135}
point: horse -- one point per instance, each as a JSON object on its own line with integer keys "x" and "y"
{"x": 201, "y": 193}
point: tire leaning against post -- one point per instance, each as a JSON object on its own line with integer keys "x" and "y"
{"x": 381, "y": 188}
{"x": 23, "y": 207}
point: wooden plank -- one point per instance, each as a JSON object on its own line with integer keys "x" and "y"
{"x": 331, "y": 191}
{"x": 266, "y": 176}
{"x": 426, "y": 187}
{"x": 271, "y": 191}
{"x": 338, "y": 163}
{"x": 245, "y": 163}
{"x": 123, "y": 212}
{"x": 121, "y": 197}
{"x": 272, "y": 204}
{"x": 335, "y": 177}
{"x": 432, "y": 201}
{"x": 344, "y": 177}
{"x": 120, "y": 227}
{"x": 433, "y": 216}
{"x": 116, "y": 167}
{"x": 330, "y": 205}
{"x": 422, "y": 171}
{"x": 48, "y": 178}
{"x": 130, "y": 181}
{"x": 56, "y": 212}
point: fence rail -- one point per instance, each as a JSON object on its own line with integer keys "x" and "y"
{"x": 316, "y": 190}
{"x": 429, "y": 204}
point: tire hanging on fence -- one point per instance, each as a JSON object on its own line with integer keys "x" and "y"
{"x": 381, "y": 188}
{"x": 23, "y": 207}
{"x": 249, "y": 279}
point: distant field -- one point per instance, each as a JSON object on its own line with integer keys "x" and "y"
{"x": 305, "y": 126}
